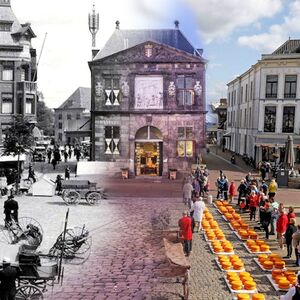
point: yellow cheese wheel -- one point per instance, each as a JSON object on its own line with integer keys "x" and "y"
{"x": 243, "y": 297}
{"x": 280, "y": 278}
{"x": 226, "y": 265}
{"x": 292, "y": 279}
{"x": 238, "y": 265}
{"x": 250, "y": 285}
{"x": 250, "y": 242}
{"x": 260, "y": 242}
{"x": 276, "y": 273}
{"x": 254, "y": 248}
{"x": 284, "y": 284}
{"x": 232, "y": 276}
{"x": 253, "y": 236}
{"x": 258, "y": 297}
{"x": 279, "y": 264}
{"x": 237, "y": 285}
{"x": 264, "y": 248}
{"x": 267, "y": 264}
{"x": 262, "y": 257}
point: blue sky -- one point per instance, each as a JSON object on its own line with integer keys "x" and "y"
{"x": 233, "y": 34}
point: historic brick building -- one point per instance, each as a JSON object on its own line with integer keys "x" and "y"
{"x": 17, "y": 68}
{"x": 148, "y": 101}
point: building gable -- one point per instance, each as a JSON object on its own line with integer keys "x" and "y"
{"x": 150, "y": 52}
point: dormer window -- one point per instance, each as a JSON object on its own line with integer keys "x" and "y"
{"x": 5, "y": 26}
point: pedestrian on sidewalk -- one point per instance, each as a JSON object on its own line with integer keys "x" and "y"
{"x": 196, "y": 187}
{"x": 49, "y": 154}
{"x": 264, "y": 187}
{"x": 54, "y": 163}
{"x": 198, "y": 208}
{"x": 291, "y": 214}
{"x": 296, "y": 244}
{"x": 185, "y": 231}
{"x": 275, "y": 215}
{"x": 266, "y": 213}
{"x": 67, "y": 173}
{"x": 253, "y": 204}
{"x": 31, "y": 173}
{"x": 281, "y": 226}
{"x": 290, "y": 230}
{"x": 11, "y": 208}
{"x": 225, "y": 188}
{"x": 242, "y": 189}
{"x": 58, "y": 185}
{"x": 8, "y": 276}
{"x": 232, "y": 191}
{"x": 272, "y": 188}
{"x": 187, "y": 193}
{"x": 66, "y": 155}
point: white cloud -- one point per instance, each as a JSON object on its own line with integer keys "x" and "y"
{"x": 277, "y": 34}
{"x": 219, "y": 18}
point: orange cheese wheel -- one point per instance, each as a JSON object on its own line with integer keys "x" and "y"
{"x": 258, "y": 297}
{"x": 273, "y": 256}
{"x": 250, "y": 242}
{"x": 238, "y": 265}
{"x": 232, "y": 277}
{"x": 218, "y": 249}
{"x": 243, "y": 297}
{"x": 226, "y": 265}
{"x": 292, "y": 279}
{"x": 267, "y": 264}
{"x": 276, "y": 273}
{"x": 254, "y": 248}
{"x": 262, "y": 257}
{"x": 253, "y": 236}
{"x": 264, "y": 248}
{"x": 280, "y": 278}
{"x": 289, "y": 272}
{"x": 284, "y": 284}
{"x": 279, "y": 264}
{"x": 237, "y": 285}
{"x": 250, "y": 285}
{"x": 260, "y": 242}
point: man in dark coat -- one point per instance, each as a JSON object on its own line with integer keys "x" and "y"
{"x": 8, "y": 278}
{"x": 11, "y": 210}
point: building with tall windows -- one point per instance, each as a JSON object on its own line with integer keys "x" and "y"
{"x": 18, "y": 73}
{"x": 264, "y": 106}
{"x": 148, "y": 101}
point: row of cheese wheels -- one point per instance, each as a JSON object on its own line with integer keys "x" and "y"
{"x": 284, "y": 278}
{"x": 258, "y": 246}
{"x": 271, "y": 261}
{"x": 241, "y": 280}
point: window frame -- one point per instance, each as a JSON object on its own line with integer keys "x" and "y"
{"x": 272, "y": 85}
{"x": 7, "y": 98}
{"x": 290, "y": 87}
{"x": 110, "y": 87}
{"x": 288, "y": 128}
{"x": 185, "y": 142}
{"x": 270, "y": 118}
{"x": 185, "y": 88}
{"x": 112, "y": 140}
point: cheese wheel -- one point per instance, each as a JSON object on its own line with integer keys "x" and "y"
{"x": 254, "y": 248}
{"x": 232, "y": 276}
{"x": 292, "y": 279}
{"x": 264, "y": 248}
{"x": 218, "y": 249}
{"x": 244, "y": 226}
{"x": 279, "y": 264}
{"x": 258, "y": 297}
{"x": 262, "y": 257}
{"x": 280, "y": 278}
{"x": 276, "y": 273}
{"x": 253, "y": 236}
{"x": 284, "y": 284}
{"x": 260, "y": 242}
{"x": 250, "y": 242}
{"x": 243, "y": 297}
{"x": 267, "y": 264}
{"x": 226, "y": 265}
{"x": 250, "y": 285}
{"x": 237, "y": 285}
{"x": 238, "y": 265}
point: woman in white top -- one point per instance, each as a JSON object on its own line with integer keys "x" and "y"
{"x": 198, "y": 209}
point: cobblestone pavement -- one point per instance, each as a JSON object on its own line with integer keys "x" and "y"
{"x": 127, "y": 258}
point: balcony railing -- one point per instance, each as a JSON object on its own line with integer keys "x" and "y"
{"x": 26, "y": 86}
{"x": 289, "y": 95}
{"x": 271, "y": 95}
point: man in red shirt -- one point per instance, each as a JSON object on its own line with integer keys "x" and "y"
{"x": 185, "y": 230}
{"x": 281, "y": 226}
{"x": 253, "y": 204}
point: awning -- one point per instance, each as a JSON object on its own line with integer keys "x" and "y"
{"x": 9, "y": 158}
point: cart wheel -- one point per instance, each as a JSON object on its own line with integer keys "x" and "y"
{"x": 93, "y": 198}
{"x": 29, "y": 292}
{"x": 71, "y": 197}
{"x": 35, "y": 240}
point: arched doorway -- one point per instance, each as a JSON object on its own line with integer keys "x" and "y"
{"x": 148, "y": 151}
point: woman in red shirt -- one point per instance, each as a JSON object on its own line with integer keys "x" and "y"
{"x": 253, "y": 204}
{"x": 232, "y": 191}
{"x": 281, "y": 226}
{"x": 185, "y": 230}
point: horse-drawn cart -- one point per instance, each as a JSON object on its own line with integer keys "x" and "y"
{"x": 74, "y": 190}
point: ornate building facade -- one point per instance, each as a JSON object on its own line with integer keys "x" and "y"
{"x": 148, "y": 101}
{"x": 18, "y": 74}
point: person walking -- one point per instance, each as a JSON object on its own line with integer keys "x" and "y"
{"x": 232, "y": 191}
{"x": 58, "y": 185}
{"x": 49, "y": 155}
{"x": 281, "y": 226}
{"x": 198, "y": 208}
{"x": 225, "y": 188}
{"x": 196, "y": 187}
{"x": 67, "y": 173}
{"x": 66, "y": 155}
{"x": 70, "y": 152}
{"x": 296, "y": 243}
{"x": 8, "y": 276}
{"x": 242, "y": 189}
{"x": 11, "y": 208}
{"x": 266, "y": 213}
{"x": 187, "y": 193}
{"x": 31, "y": 173}
{"x": 272, "y": 188}
{"x": 275, "y": 215}
{"x": 290, "y": 230}
{"x": 253, "y": 204}
{"x": 54, "y": 163}
{"x": 185, "y": 230}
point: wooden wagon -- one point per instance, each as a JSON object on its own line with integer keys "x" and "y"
{"x": 74, "y": 190}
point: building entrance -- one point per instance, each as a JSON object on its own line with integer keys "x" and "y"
{"x": 148, "y": 152}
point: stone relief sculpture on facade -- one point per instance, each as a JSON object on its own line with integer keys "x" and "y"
{"x": 172, "y": 89}
{"x": 198, "y": 88}
{"x": 99, "y": 89}
{"x": 125, "y": 89}
{"x": 149, "y": 92}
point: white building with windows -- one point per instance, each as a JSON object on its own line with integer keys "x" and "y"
{"x": 264, "y": 105}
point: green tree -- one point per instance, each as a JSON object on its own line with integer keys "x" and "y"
{"x": 45, "y": 117}
{"x": 18, "y": 140}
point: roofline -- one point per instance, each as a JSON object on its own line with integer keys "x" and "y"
{"x": 201, "y": 59}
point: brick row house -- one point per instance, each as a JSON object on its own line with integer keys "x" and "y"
{"x": 18, "y": 73}
{"x": 148, "y": 101}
